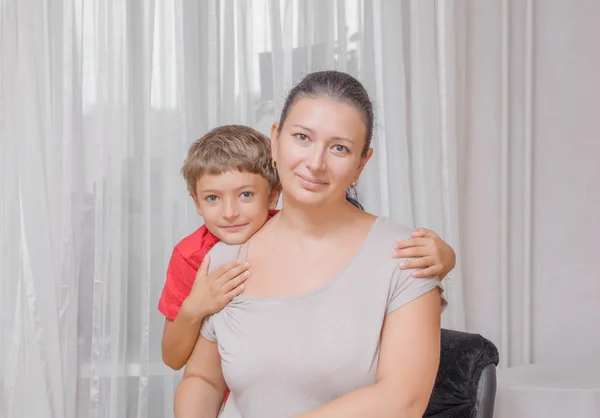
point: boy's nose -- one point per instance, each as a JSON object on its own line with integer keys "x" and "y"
{"x": 230, "y": 211}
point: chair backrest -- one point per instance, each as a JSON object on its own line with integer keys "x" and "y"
{"x": 466, "y": 382}
{"x": 486, "y": 392}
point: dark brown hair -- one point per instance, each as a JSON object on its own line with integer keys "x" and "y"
{"x": 338, "y": 86}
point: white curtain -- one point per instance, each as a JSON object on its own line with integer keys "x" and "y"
{"x": 99, "y": 100}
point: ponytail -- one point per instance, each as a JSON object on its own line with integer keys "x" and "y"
{"x": 352, "y": 197}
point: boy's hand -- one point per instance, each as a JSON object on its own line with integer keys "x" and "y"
{"x": 427, "y": 251}
{"x": 211, "y": 292}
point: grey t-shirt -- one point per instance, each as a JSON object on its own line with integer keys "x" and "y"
{"x": 285, "y": 356}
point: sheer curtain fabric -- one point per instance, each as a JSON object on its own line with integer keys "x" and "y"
{"x": 99, "y": 100}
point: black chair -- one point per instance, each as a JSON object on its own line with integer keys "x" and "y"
{"x": 465, "y": 386}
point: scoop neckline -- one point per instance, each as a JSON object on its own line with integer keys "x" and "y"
{"x": 329, "y": 284}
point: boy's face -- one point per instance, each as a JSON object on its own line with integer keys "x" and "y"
{"x": 234, "y": 204}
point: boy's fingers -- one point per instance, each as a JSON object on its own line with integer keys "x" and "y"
{"x": 411, "y": 252}
{"x": 423, "y": 232}
{"x": 203, "y": 269}
{"x": 235, "y": 282}
{"x": 225, "y": 268}
{"x": 230, "y": 274}
{"x": 419, "y": 232}
{"x": 411, "y": 242}
{"x": 428, "y": 272}
{"x": 235, "y": 292}
{"x": 416, "y": 263}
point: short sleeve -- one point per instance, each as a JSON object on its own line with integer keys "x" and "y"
{"x": 178, "y": 285}
{"x": 208, "y": 329}
{"x": 405, "y": 288}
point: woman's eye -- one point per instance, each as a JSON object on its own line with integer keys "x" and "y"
{"x": 246, "y": 195}
{"x": 301, "y": 137}
{"x": 211, "y": 198}
{"x": 340, "y": 148}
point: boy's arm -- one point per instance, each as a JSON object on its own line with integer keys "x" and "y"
{"x": 425, "y": 250}
{"x": 209, "y": 294}
{"x": 202, "y": 389}
{"x": 179, "y": 337}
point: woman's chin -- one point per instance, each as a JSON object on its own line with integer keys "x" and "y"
{"x": 306, "y": 197}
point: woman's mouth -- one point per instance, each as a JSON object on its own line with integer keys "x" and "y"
{"x": 311, "y": 184}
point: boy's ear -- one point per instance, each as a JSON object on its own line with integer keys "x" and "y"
{"x": 274, "y": 197}
{"x": 198, "y": 209}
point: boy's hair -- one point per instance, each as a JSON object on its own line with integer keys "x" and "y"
{"x": 229, "y": 147}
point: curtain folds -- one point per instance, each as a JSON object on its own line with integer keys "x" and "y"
{"x": 99, "y": 100}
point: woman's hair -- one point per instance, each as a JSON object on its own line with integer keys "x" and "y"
{"x": 338, "y": 86}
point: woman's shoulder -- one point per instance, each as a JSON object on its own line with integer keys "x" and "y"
{"x": 381, "y": 239}
{"x": 387, "y": 231}
{"x": 222, "y": 253}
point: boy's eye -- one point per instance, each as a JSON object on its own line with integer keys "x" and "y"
{"x": 301, "y": 137}
{"x": 211, "y": 198}
{"x": 340, "y": 148}
{"x": 246, "y": 195}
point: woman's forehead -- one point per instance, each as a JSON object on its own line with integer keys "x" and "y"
{"x": 326, "y": 117}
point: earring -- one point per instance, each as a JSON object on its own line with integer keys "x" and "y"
{"x": 273, "y": 163}
{"x": 353, "y": 185}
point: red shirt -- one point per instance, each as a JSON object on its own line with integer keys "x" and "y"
{"x": 181, "y": 273}
{"x": 183, "y": 266}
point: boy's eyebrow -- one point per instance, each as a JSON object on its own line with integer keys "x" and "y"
{"x": 202, "y": 191}
{"x": 339, "y": 138}
{"x": 245, "y": 186}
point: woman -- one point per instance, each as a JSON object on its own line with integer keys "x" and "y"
{"x": 328, "y": 326}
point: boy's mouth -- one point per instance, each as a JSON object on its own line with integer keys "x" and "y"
{"x": 233, "y": 228}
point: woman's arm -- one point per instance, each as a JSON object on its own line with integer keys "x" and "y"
{"x": 408, "y": 363}
{"x": 202, "y": 388}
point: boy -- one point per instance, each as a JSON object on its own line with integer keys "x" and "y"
{"x": 229, "y": 176}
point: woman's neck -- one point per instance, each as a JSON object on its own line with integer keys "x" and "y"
{"x": 316, "y": 222}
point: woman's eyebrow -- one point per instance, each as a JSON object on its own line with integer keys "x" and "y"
{"x": 340, "y": 138}
{"x": 304, "y": 127}
{"x": 337, "y": 138}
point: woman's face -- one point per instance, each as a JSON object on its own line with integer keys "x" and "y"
{"x": 319, "y": 150}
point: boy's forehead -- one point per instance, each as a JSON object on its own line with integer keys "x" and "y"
{"x": 229, "y": 180}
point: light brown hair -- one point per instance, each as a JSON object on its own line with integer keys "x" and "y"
{"x": 226, "y": 148}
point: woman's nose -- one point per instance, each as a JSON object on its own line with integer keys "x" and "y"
{"x": 317, "y": 158}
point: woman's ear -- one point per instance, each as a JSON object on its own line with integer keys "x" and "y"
{"x": 274, "y": 139}
{"x": 274, "y": 197}
{"x": 363, "y": 162}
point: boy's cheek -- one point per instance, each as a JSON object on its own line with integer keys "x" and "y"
{"x": 210, "y": 217}
{"x": 260, "y": 216}
{"x": 256, "y": 213}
